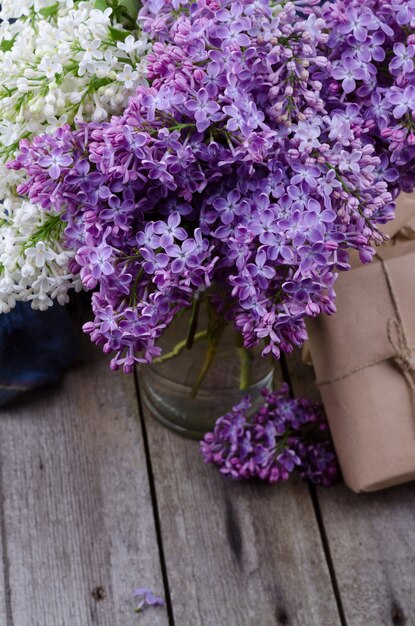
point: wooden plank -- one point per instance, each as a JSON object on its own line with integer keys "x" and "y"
{"x": 78, "y": 518}
{"x": 237, "y": 554}
{"x": 5, "y": 610}
{"x": 372, "y": 542}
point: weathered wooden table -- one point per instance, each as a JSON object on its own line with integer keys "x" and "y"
{"x": 97, "y": 499}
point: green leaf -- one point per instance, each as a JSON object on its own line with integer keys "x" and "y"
{"x": 48, "y": 11}
{"x": 7, "y": 44}
{"x": 51, "y": 230}
{"x": 118, "y": 35}
{"x": 98, "y": 83}
{"x": 101, "y": 5}
{"x": 132, "y": 7}
{"x": 126, "y": 11}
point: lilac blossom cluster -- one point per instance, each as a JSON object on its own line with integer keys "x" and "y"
{"x": 371, "y": 50}
{"x": 229, "y": 172}
{"x": 285, "y": 435}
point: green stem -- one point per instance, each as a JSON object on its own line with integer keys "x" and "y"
{"x": 178, "y": 348}
{"x": 133, "y": 293}
{"x": 194, "y": 319}
{"x": 214, "y": 340}
{"x": 245, "y": 368}
{"x": 181, "y": 126}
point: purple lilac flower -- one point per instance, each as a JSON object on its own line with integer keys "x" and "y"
{"x": 263, "y": 151}
{"x": 146, "y": 598}
{"x": 403, "y": 101}
{"x": 379, "y": 110}
{"x": 373, "y": 48}
{"x": 54, "y": 162}
{"x": 405, "y": 11}
{"x": 205, "y": 111}
{"x": 403, "y": 59}
{"x": 375, "y": 37}
{"x": 82, "y": 175}
{"x": 358, "y": 23}
{"x": 283, "y": 436}
{"x": 348, "y": 70}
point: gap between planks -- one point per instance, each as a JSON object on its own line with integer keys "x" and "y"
{"x": 77, "y": 515}
{"x": 5, "y": 599}
{"x": 370, "y": 537}
{"x": 153, "y": 495}
{"x": 318, "y": 514}
{"x": 235, "y": 554}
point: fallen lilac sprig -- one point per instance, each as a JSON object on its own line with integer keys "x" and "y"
{"x": 146, "y": 598}
{"x": 284, "y": 435}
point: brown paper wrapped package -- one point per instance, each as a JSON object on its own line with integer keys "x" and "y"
{"x": 369, "y": 403}
{"x": 405, "y": 211}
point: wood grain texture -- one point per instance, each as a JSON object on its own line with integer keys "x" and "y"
{"x": 237, "y": 554}
{"x": 371, "y": 539}
{"x": 78, "y": 518}
{"x": 5, "y": 609}
{"x": 372, "y": 542}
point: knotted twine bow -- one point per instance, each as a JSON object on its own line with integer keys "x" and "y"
{"x": 404, "y": 355}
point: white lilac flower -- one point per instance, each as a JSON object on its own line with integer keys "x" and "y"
{"x": 63, "y": 63}
{"x": 34, "y": 266}
{"x": 60, "y": 62}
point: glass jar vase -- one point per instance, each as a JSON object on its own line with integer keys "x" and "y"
{"x": 203, "y": 371}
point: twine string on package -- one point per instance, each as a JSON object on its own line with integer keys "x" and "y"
{"x": 403, "y": 356}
